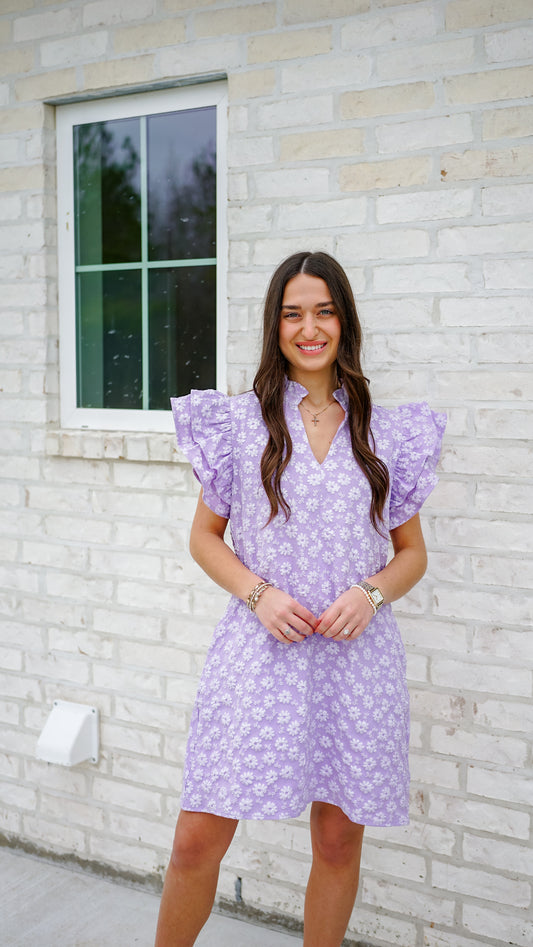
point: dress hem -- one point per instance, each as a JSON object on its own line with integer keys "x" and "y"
{"x": 279, "y": 817}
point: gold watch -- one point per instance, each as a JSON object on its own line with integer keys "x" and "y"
{"x": 374, "y": 593}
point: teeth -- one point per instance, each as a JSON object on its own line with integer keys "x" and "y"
{"x": 311, "y": 348}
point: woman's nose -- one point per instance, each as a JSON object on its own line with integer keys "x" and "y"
{"x": 309, "y": 326}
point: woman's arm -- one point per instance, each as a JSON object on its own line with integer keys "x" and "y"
{"x": 276, "y": 610}
{"x": 352, "y": 610}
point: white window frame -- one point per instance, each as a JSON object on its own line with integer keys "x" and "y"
{"x": 97, "y": 110}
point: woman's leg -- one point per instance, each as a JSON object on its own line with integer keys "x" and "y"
{"x": 334, "y": 876}
{"x": 200, "y": 842}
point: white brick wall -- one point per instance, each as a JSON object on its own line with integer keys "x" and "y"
{"x": 392, "y": 133}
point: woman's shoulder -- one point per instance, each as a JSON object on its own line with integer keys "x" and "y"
{"x": 404, "y": 422}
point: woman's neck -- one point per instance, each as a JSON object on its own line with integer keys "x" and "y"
{"x": 320, "y": 385}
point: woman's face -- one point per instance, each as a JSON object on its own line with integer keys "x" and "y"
{"x": 309, "y": 327}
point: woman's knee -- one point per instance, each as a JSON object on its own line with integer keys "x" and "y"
{"x": 336, "y": 840}
{"x": 200, "y": 838}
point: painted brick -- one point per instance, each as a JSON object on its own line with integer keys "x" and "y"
{"x": 511, "y": 199}
{"x": 314, "y": 215}
{"x": 432, "y": 60}
{"x": 294, "y": 44}
{"x": 483, "y": 678}
{"x": 312, "y": 110}
{"x": 384, "y": 244}
{"x": 490, "y": 86}
{"x": 421, "y": 277}
{"x": 509, "y": 856}
{"x": 332, "y": 144}
{"x": 250, "y": 151}
{"x": 62, "y": 52}
{"x": 428, "y": 205}
{"x": 101, "y": 13}
{"x": 387, "y": 100}
{"x": 510, "y": 787}
{"x": 238, "y": 19}
{"x": 296, "y": 12}
{"x": 484, "y": 386}
{"x": 250, "y": 84}
{"x": 508, "y": 274}
{"x": 505, "y": 715}
{"x": 408, "y": 901}
{"x": 453, "y": 810}
{"x": 46, "y": 85}
{"x": 401, "y": 172}
{"x": 496, "y": 238}
{"x": 424, "y": 133}
{"x": 506, "y": 927}
{"x": 506, "y": 162}
{"x": 502, "y": 497}
{"x": 291, "y": 183}
{"x": 118, "y": 72}
{"x": 53, "y": 23}
{"x": 434, "y": 772}
{"x": 149, "y": 35}
{"x": 397, "y": 26}
{"x": 480, "y": 884}
{"x": 510, "y": 45}
{"x": 461, "y": 14}
{"x": 197, "y": 58}
{"x": 478, "y": 746}
{"x": 15, "y": 61}
{"x": 502, "y": 643}
{"x": 339, "y": 72}
{"x": 479, "y": 311}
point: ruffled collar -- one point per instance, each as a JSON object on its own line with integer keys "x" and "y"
{"x": 294, "y": 392}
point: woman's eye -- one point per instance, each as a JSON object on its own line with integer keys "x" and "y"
{"x": 292, "y": 315}
{"x": 326, "y": 312}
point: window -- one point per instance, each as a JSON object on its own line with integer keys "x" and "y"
{"x": 142, "y": 248}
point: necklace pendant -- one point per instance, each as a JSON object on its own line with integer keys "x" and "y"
{"x": 315, "y": 420}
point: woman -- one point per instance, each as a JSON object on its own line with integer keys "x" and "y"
{"x": 303, "y": 696}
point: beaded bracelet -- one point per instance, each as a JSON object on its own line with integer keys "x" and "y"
{"x": 256, "y": 593}
{"x": 366, "y": 594}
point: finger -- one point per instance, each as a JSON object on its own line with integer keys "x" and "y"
{"x": 302, "y": 612}
{"x": 325, "y": 623}
{"x": 301, "y": 626}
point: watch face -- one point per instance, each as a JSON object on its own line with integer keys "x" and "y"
{"x": 376, "y": 597}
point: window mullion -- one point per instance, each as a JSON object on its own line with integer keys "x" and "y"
{"x": 144, "y": 267}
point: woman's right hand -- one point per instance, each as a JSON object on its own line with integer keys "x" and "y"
{"x": 284, "y": 617}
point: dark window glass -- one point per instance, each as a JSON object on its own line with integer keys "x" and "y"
{"x": 182, "y": 332}
{"x": 145, "y": 226}
{"x": 182, "y": 185}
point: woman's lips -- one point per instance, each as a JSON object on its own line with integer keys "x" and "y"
{"x": 311, "y": 347}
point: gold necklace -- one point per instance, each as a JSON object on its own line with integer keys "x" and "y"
{"x": 316, "y": 415}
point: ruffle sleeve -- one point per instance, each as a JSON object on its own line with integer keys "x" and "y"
{"x": 203, "y": 429}
{"x": 420, "y": 431}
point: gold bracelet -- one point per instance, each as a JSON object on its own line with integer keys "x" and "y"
{"x": 256, "y": 593}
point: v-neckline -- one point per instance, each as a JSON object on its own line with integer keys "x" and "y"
{"x": 295, "y": 393}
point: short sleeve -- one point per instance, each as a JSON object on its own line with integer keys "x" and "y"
{"x": 420, "y": 431}
{"x": 203, "y": 429}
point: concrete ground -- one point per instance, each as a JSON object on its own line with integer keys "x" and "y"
{"x": 51, "y": 906}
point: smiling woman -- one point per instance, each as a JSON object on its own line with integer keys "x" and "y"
{"x": 303, "y": 696}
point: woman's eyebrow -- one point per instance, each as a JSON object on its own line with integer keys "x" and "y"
{"x": 317, "y": 305}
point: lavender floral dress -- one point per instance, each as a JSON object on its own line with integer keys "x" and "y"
{"x": 276, "y": 726}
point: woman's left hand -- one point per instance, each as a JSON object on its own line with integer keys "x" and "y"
{"x": 347, "y": 617}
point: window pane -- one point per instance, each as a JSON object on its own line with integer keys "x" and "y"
{"x": 182, "y": 185}
{"x": 107, "y": 192}
{"x": 109, "y": 339}
{"x": 182, "y": 331}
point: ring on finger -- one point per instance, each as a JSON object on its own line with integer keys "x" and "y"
{"x": 286, "y": 633}
{"x": 346, "y": 632}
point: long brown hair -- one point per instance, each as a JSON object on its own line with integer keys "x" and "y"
{"x": 270, "y": 379}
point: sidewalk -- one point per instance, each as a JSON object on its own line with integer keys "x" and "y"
{"x": 52, "y": 906}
